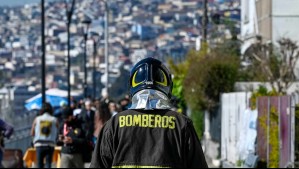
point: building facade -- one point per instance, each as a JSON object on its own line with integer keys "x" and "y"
{"x": 271, "y": 20}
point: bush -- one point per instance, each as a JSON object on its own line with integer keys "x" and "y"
{"x": 203, "y": 77}
{"x": 198, "y": 122}
{"x": 209, "y": 77}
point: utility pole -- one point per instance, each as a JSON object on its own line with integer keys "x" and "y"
{"x": 107, "y": 45}
{"x": 69, "y": 13}
{"x": 205, "y": 22}
{"x": 43, "y": 53}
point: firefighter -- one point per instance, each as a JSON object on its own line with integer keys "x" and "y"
{"x": 149, "y": 134}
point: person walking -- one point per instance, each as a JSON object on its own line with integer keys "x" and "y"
{"x": 87, "y": 119}
{"x": 72, "y": 139}
{"x": 149, "y": 134}
{"x": 45, "y": 130}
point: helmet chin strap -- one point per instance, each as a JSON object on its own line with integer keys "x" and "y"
{"x": 149, "y": 99}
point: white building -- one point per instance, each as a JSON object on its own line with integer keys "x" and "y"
{"x": 269, "y": 19}
{"x": 249, "y": 27}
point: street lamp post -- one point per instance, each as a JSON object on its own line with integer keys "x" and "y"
{"x": 205, "y": 21}
{"x": 43, "y": 53}
{"x": 107, "y": 45}
{"x": 69, "y": 13}
{"x": 86, "y": 28}
{"x": 96, "y": 38}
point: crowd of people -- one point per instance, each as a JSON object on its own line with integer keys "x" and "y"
{"x": 74, "y": 128}
{"x": 146, "y": 134}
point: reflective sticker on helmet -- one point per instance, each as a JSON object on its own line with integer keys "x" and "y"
{"x": 134, "y": 84}
{"x": 149, "y": 83}
{"x": 164, "y": 83}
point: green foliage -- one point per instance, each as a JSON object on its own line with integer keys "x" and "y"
{"x": 275, "y": 65}
{"x": 274, "y": 139}
{"x": 210, "y": 75}
{"x": 230, "y": 47}
{"x": 252, "y": 73}
{"x": 179, "y": 71}
{"x": 198, "y": 122}
{"x": 297, "y": 113}
{"x": 262, "y": 91}
{"x": 239, "y": 163}
{"x": 200, "y": 80}
{"x": 274, "y": 155}
{"x": 221, "y": 78}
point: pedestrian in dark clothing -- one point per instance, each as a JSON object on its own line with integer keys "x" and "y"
{"x": 72, "y": 138}
{"x": 58, "y": 112}
{"x": 149, "y": 135}
{"x": 87, "y": 118}
{"x": 6, "y": 130}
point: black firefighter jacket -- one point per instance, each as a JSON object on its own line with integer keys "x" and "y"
{"x": 148, "y": 139}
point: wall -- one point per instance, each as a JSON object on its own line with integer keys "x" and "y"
{"x": 264, "y": 12}
{"x": 285, "y": 19}
{"x": 233, "y": 108}
{"x": 248, "y": 24}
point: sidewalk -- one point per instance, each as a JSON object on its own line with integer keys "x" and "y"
{"x": 210, "y": 163}
{"x": 211, "y": 150}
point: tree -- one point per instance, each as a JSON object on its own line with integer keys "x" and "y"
{"x": 210, "y": 76}
{"x": 275, "y": 64}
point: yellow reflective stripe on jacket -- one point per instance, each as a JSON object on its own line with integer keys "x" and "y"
{"x": 138, "y": 166}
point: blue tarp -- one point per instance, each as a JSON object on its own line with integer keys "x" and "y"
{"x": 53, "y": 100}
